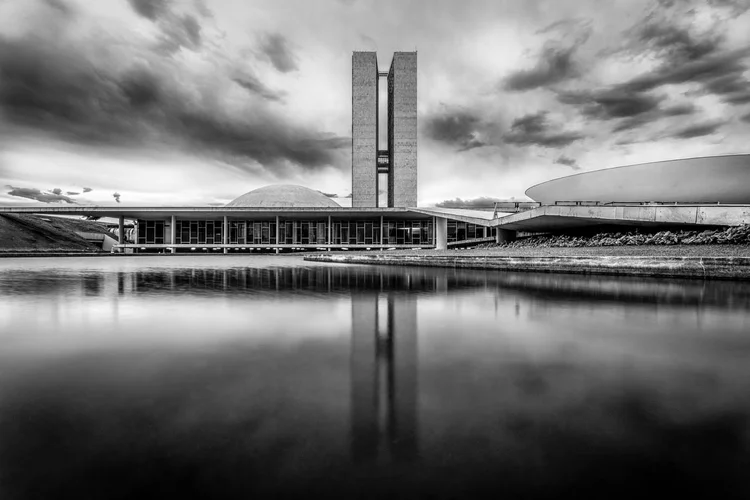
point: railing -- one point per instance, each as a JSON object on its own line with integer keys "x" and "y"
{"x": 632, "y": 203}
{"x": 513, "y": 206}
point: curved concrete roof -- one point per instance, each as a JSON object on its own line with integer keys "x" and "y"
{"x": 710, "y": 179}
{"x": 283, "y": 195}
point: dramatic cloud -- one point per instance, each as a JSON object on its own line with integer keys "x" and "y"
{"x": 684, "y": 54}
{"x": 689, "y": 51}
{"x": 36, "y": 194}
{"x": 457, "y": 128}
{"x": 555, "y": 62}
{"x": 535, "y": 130}
{"x": 55, "y": 88}
{"x": 116, "y": 196}
{"x": 87, "y": 190}
{"x": 697, "y": 130}
{"x": 57, "y": 191}
{"x": 476, "y": 203}
{"x": 163, "y": 100}
{"x": 276, "y": 48}
{"x": 570, "y": 162}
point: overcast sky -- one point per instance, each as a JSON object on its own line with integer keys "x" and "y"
{"x": 179, "y": 102}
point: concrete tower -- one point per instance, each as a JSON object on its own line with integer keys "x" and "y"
{"x": 399, "y": 161}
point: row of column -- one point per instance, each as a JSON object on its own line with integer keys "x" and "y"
{"x": 440, "y": 224}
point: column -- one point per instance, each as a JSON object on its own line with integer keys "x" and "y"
{"x": 226, "y": 233}
{"x": 277, "y": 233}
{"x": 173, "y": 234}
{"x": 330, "y": 228}
{"x": 381, "y": 231}
{"x": 121, "y": 232}
{"x": 441, "y": 233}
{"x": 504, "y": 235}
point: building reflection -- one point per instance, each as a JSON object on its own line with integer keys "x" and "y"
{"x": 383, "y": 377}
{"x": 534, "y": 288}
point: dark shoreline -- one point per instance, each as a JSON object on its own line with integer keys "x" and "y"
{"x": 725, "y": 268}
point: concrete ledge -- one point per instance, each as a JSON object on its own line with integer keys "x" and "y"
{"x": 733, "y": 268}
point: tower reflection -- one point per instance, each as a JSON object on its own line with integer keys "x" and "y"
{"x": 383, "y": 377}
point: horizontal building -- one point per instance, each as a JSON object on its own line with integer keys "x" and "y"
{"x": 279, "y": 217}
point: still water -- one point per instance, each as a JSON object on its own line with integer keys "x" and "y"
{"x": 239, "y": 377}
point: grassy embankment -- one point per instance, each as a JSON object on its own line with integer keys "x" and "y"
{"x": 33, "y": 234}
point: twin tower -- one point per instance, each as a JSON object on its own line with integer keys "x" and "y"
{"x": 375, "y": 163}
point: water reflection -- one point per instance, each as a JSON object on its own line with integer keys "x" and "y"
{"x": 234, "y": 378}
{"x": 341, "y": 279}
{"x": 384, "y": 374}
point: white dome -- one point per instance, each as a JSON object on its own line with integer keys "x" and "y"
{"x": 283, "y": 195}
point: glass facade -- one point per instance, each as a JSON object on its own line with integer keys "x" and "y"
{"x": 252, "y": 232}
{"x": 408, "y": 232}
{"x": 460, "y": 231}
{"x": 308, "y": 232}
{"x": 356, "y": 232}
{"x": 150, "y": 232}
{"x": 303, "y": 232}
{"x": 198, "y": 232}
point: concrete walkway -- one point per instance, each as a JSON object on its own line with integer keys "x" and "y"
{"x": 733, "y": 268}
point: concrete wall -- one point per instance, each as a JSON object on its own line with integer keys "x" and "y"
{"x": 723, "y": 179}
{"x": 402, "y": 130}
{"x": 364, "y": 129}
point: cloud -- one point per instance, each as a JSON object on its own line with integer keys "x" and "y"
{"x": 677, "y": 43}
{"x": 150, "y": 9}
{"x": 276, "y": 48}
{"x": 330, "y": 195}
{"x": 715, "y": 72}
{"x": 570, "y": 162}
{"x": 57, "y": 191}
{"x": 643, "y": 119}
{"x": 116, "y": 196}
{"x": 689, "y": 51}
{"x": 255, "y": 86}
{"x": 72, "y": 193}
{"x": 36, "y": 194}
{"x": 684, "y": 54}
{"x": 609, "y": 103}
{"x": 535, "y": 130}
{"x": 455, "y": 127}
{"x": 745, "y": 118}
{"x": 481, "y": 202}
{"x": 59, "y": 5}
{"x": 61, "y": 89}
{"x": 698, "y": 130}
{"x": 87, "y": 190}
{"x": 202, "y": 9}
{"x": 177, "y": 30}
{"x": 555, "y": 62}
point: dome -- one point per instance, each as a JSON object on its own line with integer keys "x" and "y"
{"x": 283, "y": 195}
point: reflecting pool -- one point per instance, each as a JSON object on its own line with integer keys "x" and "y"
{"x": 235, "y": 377}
